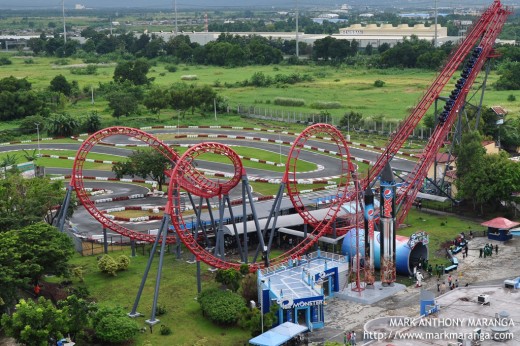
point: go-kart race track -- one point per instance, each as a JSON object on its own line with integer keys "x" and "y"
{"x": 85, "y": 225}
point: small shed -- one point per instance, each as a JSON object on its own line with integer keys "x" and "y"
{"x": 498, "y": 228}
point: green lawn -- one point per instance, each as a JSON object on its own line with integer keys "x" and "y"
{"x": 440, "y": 229}
{"x": 177, "y": 294}
{"x": 352, "y": 87}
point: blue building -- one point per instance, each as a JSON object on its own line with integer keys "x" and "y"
{"x": 301, "y": 287}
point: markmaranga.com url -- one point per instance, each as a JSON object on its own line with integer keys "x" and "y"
{"x": 399, "y": 335}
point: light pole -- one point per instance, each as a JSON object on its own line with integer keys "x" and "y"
{"x": 38, "y": 134}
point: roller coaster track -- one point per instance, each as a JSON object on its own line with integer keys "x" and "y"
{"x": 483, "y": 33}
{"x": 184, "y": 175}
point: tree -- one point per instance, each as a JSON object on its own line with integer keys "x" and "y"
{"x": 92, "y": 122}
{"x": 509, "y": 76}
{"x": 77, "y": 313}
{"x": 122, "y": 103}
{"x": 133, "y": 71}
{"x": 35, "y": 323}
{"x": 491, "y": 182}
{"x": 18, "y": 100}
{"x": 155, "y": 100}
{"x": 144, "y": 163}
{"x": 45, "y": 248}
{"x": 469, "y": 154}
{"x": 61, "y": 85}
{"x": 63, "y": 125}
{"x": 26, "y": 201}
{"x": 351, "y": 120}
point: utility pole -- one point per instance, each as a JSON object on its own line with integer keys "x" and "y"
{"x": 38, "y": 134}
{"x": 297, "y": 36}
{"x": 64, "y": 27}
{"x": 175, "y": 10}
{"x": 435, "y": 38}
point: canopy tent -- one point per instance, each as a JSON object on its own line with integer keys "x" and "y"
{"x": 278, "y": 335}
{"x": 500, "y": 223}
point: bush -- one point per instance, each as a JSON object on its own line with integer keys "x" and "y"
{"x": 108, "y": 265}
{"x": 5, "y": 61}
{"x": 123, "y": 262}
{"x": 113, "y": 325}
{"x": 287, "y": 101}
{"x": 222, "y": 307}
{"x": 28, "y": 61}
{"x": 325, "y": 105}
{"x": 171, "y": 68}
{"x": 28, "y": 124}
{"x": 89, "y": 70}
{"x": 379, "y": 83}
{"x": 165, "y": 330}
{"x": 511, "y": 98}
{"x": 160, "y": 310}
{"x": 92, "y": 123}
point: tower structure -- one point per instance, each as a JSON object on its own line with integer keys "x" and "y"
{"x": 369, "y": 237}
{"x": 387, "y": 226}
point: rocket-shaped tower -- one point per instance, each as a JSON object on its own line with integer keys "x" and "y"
{"x": 369, "y": 237}
{"x": 387, "y": 226}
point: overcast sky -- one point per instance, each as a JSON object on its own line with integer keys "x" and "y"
{"x": 252, "y": 4}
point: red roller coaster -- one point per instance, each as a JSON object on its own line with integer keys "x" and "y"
{"x": 184, "y": 175}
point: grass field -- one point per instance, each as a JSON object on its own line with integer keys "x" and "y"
{"x": 440, "y": 229}
{"x": 178, "y": 286}
{"x": 352, "y": 87}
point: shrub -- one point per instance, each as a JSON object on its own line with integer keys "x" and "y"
{"x": 325, "y": 105}
{"x": 5, "y": 61}
{"x": 511, "y": 98}
{"x": 160, "y": 310}
{"x": 222, "y": 307}
{"x": 171, "y": 68}
{"x": 379, "y": 83}
{"x": 244, "y": 269}
{"x": 123, "y": 262}
{"x": 92, "y": 123}
{"x": 287, "y": 101}
{"x": 113, "y": 325}
{"x": 165, "y": 330}
{"x": 28, "y": 124}
{"x": 108, "y": 265}
{"x": 89, "y": 70}
{"x": 28, "y": 61}
{"x": 229, "y": 277}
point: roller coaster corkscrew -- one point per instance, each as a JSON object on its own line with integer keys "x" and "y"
{"x": 185, "y": 178}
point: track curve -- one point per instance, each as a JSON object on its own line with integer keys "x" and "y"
{"x": 79, "y": 186}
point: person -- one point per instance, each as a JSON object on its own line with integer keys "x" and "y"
{"x": 449, "y": 280}
{"x": 438, "y": 285}
{"x": 349, "y": 335}
{"x": 37, "y": 289}
{"x": 470, "y": 235}
{"x": 345, "y": 339}
{"x": 456, "y": 283}
{"x": 443, "y": 287}
{"x": 353, "y": 338}
{"x": 466, "y": 249}
{"x": 480, "y": 256}
{"x": 496, "y": 249}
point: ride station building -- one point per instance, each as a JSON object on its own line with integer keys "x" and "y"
{"x": 301, "y": 286}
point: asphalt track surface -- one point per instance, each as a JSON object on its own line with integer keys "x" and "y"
{"x": 86, "y": 225}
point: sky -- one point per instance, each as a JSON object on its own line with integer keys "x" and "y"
{"x": 214, "y": 4}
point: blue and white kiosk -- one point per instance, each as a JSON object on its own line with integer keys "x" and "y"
{"x": 301, "y": 287}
